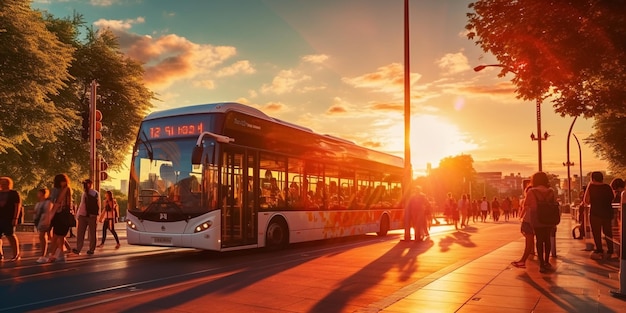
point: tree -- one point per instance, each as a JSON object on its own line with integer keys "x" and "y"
{"x": 608, "y": 142}
{"x": 454, "y": 175}
{"x": 47, "y": 66}
{"x": 574, "y": 51}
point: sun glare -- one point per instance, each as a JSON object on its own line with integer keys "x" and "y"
{"x": 432, "y": 139}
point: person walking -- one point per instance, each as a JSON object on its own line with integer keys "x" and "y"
{"x": 540, "y": 191}
{"x": 61, "y": 197}
{"x": 10, "y": 205}
{"x": 515, "y": 206}
{"x": 42, "y": 220}
{"x": 495, "y": 209}
{"x": 598, "y": 197}
{"x": 484, "y": 209}
{"x": 417, "y": 207}
{"x": 528, "y": 232}
{"x": 88, "y": 211}
{"x": 109, "y": 217}
{"x": 464, "y": 207}
{"x": 506, "y": 208}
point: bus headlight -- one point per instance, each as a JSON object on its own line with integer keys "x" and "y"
{"x": 202, "y": 227}
{"x": 131, "y": 224}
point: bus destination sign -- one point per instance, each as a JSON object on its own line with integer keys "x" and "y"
{"x": 176, "y": 130}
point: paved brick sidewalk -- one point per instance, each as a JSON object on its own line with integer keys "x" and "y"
{"x": 491, "y": 284}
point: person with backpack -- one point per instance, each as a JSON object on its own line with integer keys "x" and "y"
{"x": 88, "y": 212}
{"x": 543, "y": 208}
{"x": 598, "y": 197}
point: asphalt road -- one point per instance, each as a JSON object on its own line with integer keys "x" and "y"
{"x": 343, "y": 275}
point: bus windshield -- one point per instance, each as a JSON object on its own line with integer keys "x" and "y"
{"x": 165, "y": 181}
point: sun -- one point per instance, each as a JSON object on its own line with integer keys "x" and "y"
{"x": 432, "y": 139}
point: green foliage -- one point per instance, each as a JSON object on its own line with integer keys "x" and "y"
{"x": 46, "y": 67}
{"x": 608, "y": 142}
{"x": 454, "y": 175}
{"x": 574, "y": 51}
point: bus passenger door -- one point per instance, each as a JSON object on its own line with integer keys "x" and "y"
{"x": 237, "y": 217}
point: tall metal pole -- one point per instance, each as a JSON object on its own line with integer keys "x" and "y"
{"x": 539, "y": 136}
{"x": 580, "y": 161}
{"x": 569, "y": 163}
{"x": 93, "y": 161}
{"x": 408, "y": 176}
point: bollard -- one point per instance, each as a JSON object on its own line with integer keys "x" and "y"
{"x": 589, "y": 245}
{"x": 621, "y": 293}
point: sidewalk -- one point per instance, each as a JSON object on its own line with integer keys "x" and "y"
{"x": 491, "y": 284}
{"x": 29, "y": 241}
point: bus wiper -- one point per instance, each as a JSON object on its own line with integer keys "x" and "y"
{"x": 161, "y": 203}
{"x": 147, "y": 144}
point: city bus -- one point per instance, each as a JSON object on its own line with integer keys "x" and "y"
{"x": 225, "y": 176}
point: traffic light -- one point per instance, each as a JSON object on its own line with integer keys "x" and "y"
{"x": 98, "y": 125}
{"x": 103, "y": 166}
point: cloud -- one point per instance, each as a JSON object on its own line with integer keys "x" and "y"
{"x": 388, "y": 107}
{"x": 207, "y": 84}
{"x": 285, "y": 82}
{"x": 388, "y": 79}
{"x": 119, "y": 25}
{"x": 338, "y": 107}
{"x": 103, "y": 3}
{"x": 501, "y": 88}
{"x": 274, "y": 107}
{"x": 315, "y": 58}
{"x": 372, "y": 144}
{"x": 170, "y": 57}
{"x": 243, "y": 67}
{"x": 453, "y": 63}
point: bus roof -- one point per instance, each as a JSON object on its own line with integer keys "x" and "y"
{"x": 224, "y": 107}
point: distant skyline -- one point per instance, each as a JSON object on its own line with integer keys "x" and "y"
{"x": 336, "y": 66}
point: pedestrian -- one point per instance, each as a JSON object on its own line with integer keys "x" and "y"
{"x": 453, "y": 210}
{"x": 464, "y": 207}
{"x": 475, "y": 211}
{"x": 484, "y": 209}
{"x": 617, "y": 184}
{"x": 528, "y": 232}
{"x": 61, "y": 197}
{"x": 88, "y": 211}
{"x": 42, "y": 219}
{"x": 10, "y": 208}
{"x": 540, "y": 192}
{"x": 598, "y": 197}
{"x": 506, "y": 208}
{"x": 109, "y": 217}
{"x": 495, "y": 209}
{"x": 515, "y": 206}
{"x": 418, "y": 204}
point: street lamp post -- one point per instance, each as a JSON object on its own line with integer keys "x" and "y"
{"x": 569, "y": 163}
{"x": 580, "y": 161}
{"x": 539, "y": 138}
{"x": 408, "y": 171}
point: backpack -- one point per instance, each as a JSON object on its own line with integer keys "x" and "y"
{"x": 548, "y": 211}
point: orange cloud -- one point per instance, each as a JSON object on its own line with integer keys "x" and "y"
{"x": 388, "y": 78}
{"x": 388, "y": 106}
{"x": 372, "y": 144}
{"x": 453, "y": 63}
{"x": 499, "y": 88}
{"x": 336, "y": 109}
{"x": 170, "y": 57}
{"x": 286, "y": 81}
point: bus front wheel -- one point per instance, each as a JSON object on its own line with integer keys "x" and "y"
{"x": 277, "y": 235}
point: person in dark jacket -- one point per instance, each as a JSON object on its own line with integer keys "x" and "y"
{"x": 540, "y": 189}
{"x": 598, "y": 197}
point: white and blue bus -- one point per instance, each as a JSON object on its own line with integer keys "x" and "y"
{"x": 225, "y": 176}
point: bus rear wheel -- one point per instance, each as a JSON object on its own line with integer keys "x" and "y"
{"x": 384, "y": 226}
{"x": 277, "y": 235}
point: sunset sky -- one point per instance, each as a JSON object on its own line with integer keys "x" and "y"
{"x": 336, "y": 66}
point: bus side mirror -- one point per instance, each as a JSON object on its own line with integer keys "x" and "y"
{"x": 196, "y": 155}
